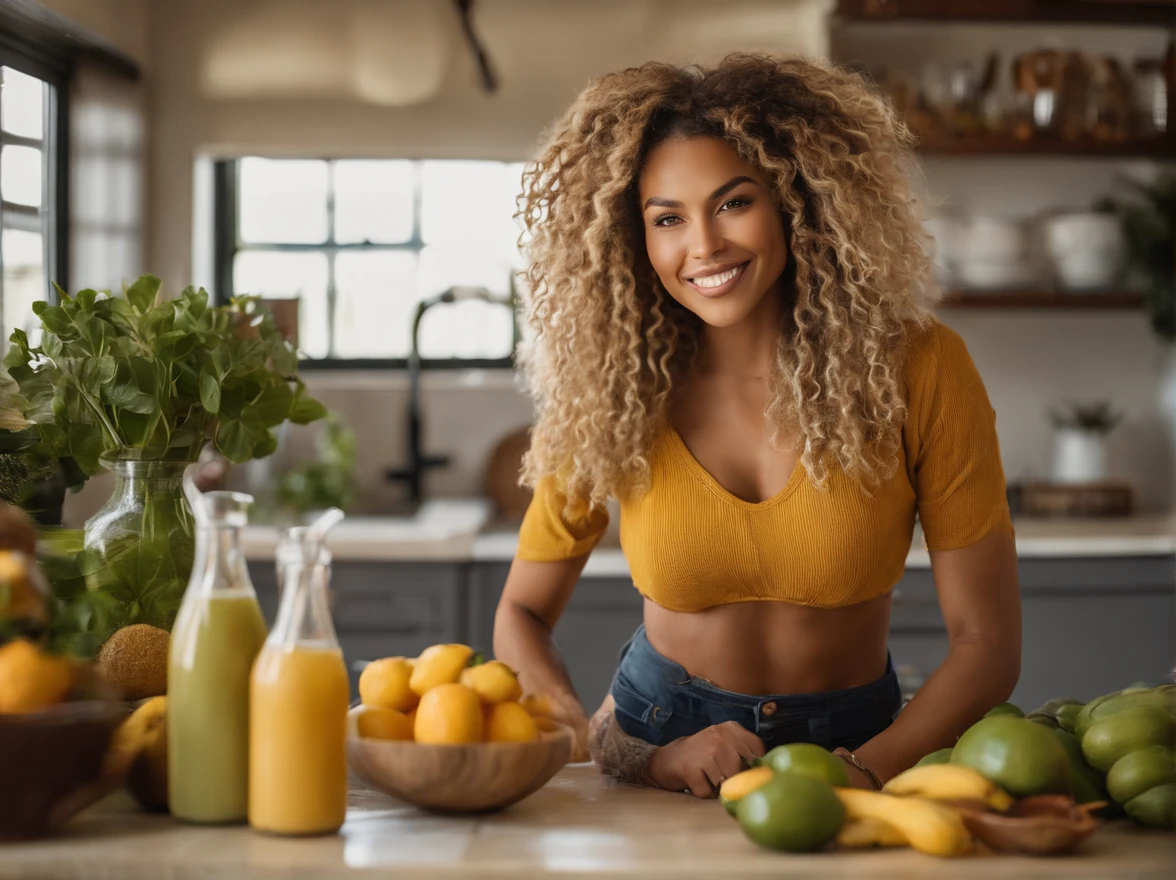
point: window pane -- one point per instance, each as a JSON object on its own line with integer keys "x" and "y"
{"x": 24, "y": 278}
{"x": 20, "y": 175}
{"x": 373, "y": 201}
{"x": 22, "y": 101}
{"x": 466, "y": 330}
{"x": 281, "y": 275}
{"x": 283, "y": 200}
{"x": 468, "y": 202}
{"x": 374, "y": 303}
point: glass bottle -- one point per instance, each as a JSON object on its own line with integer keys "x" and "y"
{"x": 218, "y": 633}
{"x": 299, "y": 698}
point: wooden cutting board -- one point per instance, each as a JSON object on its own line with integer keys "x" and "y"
{"x": 501, "y": 480}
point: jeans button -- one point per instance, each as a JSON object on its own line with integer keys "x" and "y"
{"x": 768, "y": 709}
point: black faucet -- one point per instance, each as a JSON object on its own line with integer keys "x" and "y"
{"x": 418, "y": 461}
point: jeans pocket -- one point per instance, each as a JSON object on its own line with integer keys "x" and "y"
{"x": 637, "y": 715}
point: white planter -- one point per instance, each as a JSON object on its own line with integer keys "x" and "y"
{"x": 1079, "y": 456}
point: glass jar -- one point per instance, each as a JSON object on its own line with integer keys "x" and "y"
{"x": 138, "y": 549}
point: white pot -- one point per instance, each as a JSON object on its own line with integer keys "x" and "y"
{"x": 1079, "y": 456}
{"x": 1087, "y": 249}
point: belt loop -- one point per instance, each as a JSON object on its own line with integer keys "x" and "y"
{"x": 819, "y": 727}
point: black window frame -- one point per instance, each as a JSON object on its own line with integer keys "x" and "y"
{"x": 227, "y": 244}
{"x": 48, "y": 46}
{"x": 54, "y": 147}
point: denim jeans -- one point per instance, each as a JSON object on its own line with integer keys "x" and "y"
{"x": 658, "y": 701}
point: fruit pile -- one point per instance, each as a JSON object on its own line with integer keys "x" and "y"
{"x": 1122, "y": 744}
{"x": 446, "y": 696}
{"x": 1015, "y": 783}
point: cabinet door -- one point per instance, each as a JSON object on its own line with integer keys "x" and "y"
{"x": 1083, "y": 645}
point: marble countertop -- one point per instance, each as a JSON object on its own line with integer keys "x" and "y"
{"x": 463, "y": 530}
{"x": 580, "y": 824}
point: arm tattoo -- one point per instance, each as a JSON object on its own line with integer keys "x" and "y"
{"x": 617, "y": 754}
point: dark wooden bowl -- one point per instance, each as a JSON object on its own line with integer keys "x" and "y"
{"x": 51, "y": 764}
{"x": 472, "y": 778}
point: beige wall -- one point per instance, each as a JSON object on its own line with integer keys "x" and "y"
{"x": 217, "y": 91}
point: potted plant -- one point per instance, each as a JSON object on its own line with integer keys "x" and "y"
{"x": 1149, "y": 224}
{"x": 1080, "y": 432}
{"x": 138, "y": 385}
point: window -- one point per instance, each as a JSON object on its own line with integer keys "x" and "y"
{"x": 361, "y": 242}
{"x": 28, "y": 198}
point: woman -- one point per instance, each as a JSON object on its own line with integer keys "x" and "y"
{"x": 729, "y": 299}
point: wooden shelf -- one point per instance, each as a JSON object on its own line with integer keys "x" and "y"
{"x": 1163, "y": 147}
{"x": 1041, "y": 299}
{"x": 1133, "y": 13}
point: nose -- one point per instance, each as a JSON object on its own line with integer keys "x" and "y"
{"x": 705, "y": 241}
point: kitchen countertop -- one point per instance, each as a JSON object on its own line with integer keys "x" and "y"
{"x": 578, "y": 824}
{"x": 462, "y": 530}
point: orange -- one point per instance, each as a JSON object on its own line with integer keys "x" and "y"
{"x": 383, "y": 684}
{"x": 494, "y": 682}
{"x": 539, "y": 705}
{"x": 440, "y": 664}
{"x": 30, "y": 679}
{"x": 510, "y": 722}
{"x": 449, "y": 714}
{"x": 381, "y": 723}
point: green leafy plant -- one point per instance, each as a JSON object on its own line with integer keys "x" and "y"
{"x": 1149, "y": 224}
{"x": 1094, "y": 418}
{"x": 140, "y": 378}
{"x": 141, "y": 384}
{"x": 328, "y": 481}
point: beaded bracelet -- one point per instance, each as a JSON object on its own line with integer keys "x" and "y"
{"x": 852, "y": 759}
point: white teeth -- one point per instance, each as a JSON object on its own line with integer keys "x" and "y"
{"x": 719, "y": 280}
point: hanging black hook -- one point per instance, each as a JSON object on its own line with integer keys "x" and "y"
{"x": 489, "y": 80}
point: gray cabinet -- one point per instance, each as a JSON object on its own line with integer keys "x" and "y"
{"x": 1089, "y": 625}
{"x": 383, "y": 609}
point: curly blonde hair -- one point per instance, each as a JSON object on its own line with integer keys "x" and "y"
{"x": 608, "y": 342}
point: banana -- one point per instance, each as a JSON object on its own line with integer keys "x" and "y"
{"x": 864, "y": 833}
{"x": 949, "y": 782}
{"x": 929, "y": 827}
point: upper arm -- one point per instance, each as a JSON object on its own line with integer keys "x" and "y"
{"x": 979, "y": 594}
{"x": 542, "y": 589}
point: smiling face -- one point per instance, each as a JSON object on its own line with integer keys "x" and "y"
{"x": 713, "y": 232}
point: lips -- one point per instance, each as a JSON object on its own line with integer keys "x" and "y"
{"x": 718, "y": 283}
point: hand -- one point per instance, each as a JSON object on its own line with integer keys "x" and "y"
{"x": 701, "y": 762}
{"x": 565, "y": 709}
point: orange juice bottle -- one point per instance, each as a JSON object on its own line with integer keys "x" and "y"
{"x": 298, "y": 702}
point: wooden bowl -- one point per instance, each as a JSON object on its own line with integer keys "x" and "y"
{"x": 51, "y": 764}
{"x": 460, "y": 779}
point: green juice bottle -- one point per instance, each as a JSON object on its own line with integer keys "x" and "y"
{"x": 217, "y": 635}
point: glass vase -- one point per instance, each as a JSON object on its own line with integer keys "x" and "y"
{"x": 138, "y": 549}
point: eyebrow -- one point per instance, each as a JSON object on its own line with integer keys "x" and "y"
{"x": 655, "y": 202}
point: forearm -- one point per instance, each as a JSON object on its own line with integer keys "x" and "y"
{"x": 615, "y": 753}
{"x": 524, "y": 643}
{"x": 977, "y": 674}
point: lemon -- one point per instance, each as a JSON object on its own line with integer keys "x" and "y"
{"x": 440, "y": 664}
{"x": 382, "y": 723}
{"x": 808, "y": 760}
{"x": 384, "y": 684}
{"x": 1005, "y": 709}
{"x": 449, "y": 714}
{"x": 30, "y": 679}
{"x": 939, "y": 756}
{"x": 493, "y": 682}
{"x": 510, "y": 722}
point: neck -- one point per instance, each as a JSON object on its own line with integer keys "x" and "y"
{"x": 746, "y": 349}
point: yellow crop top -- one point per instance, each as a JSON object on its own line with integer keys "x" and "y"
{"x": 691, "y": 544}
